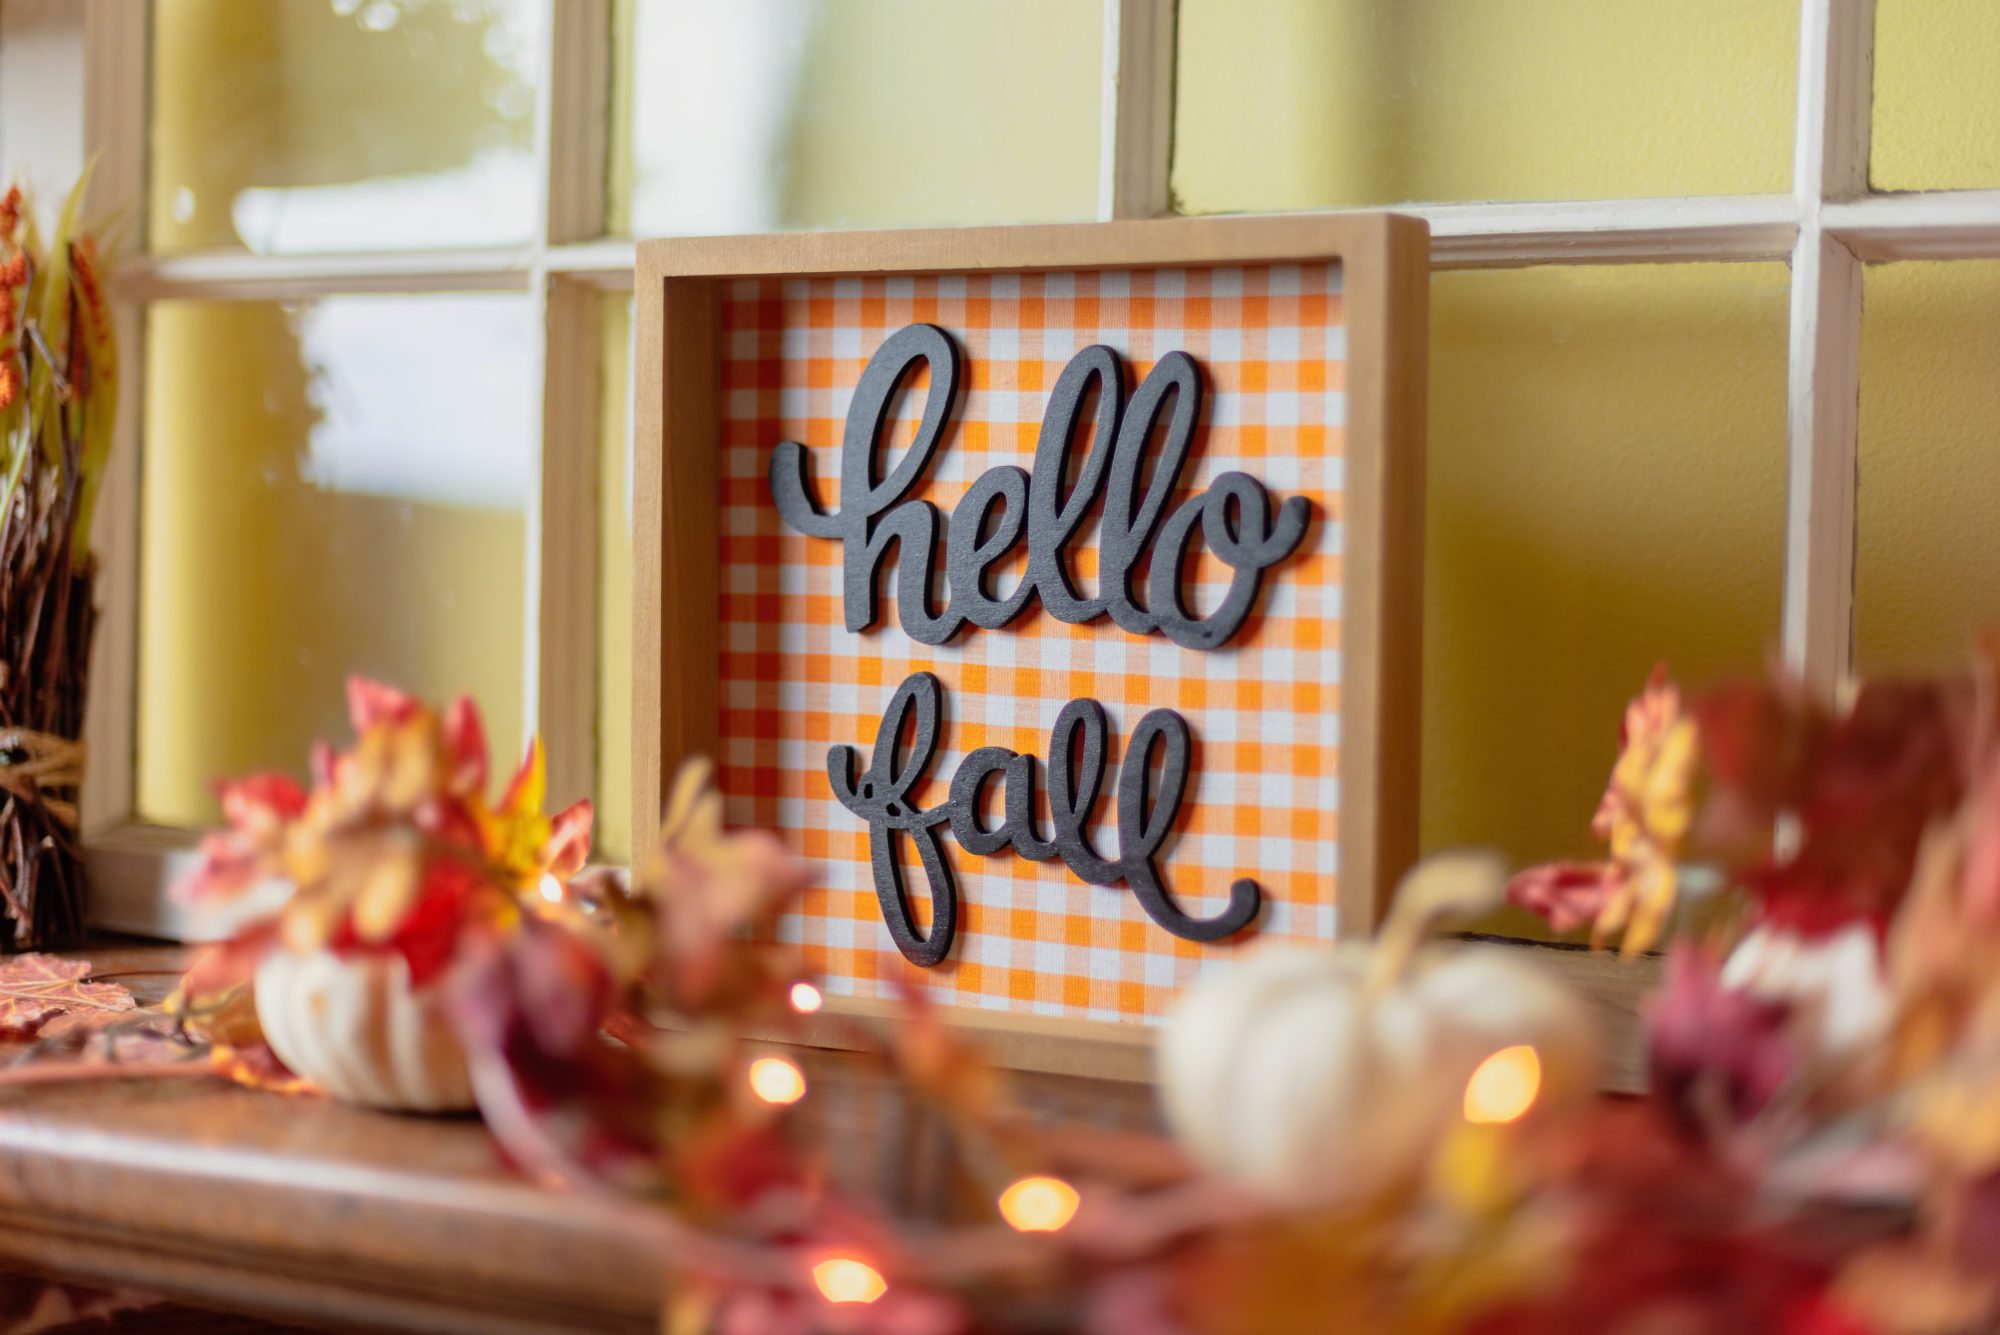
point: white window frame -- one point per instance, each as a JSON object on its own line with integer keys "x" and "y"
{"x": 82, "y": 79}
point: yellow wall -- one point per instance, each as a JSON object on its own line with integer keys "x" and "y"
{"x": 279, "y": 93}
{"x": 1937, "y": 95}
{"x": 1607, "y": 491}
{"x": 1607, "y": 450}
{"x": 897, "y": 113}
{"x": 262, "y": 588}
{"x": 915, "y": 113}
{"x": 261, "y": 591}
{"x": 1286, "y": 104}
{"x": 1927, "y": 558}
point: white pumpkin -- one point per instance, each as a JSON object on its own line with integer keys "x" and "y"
{"x": 1837, "y": 985}
{"x": 355, "y": 1027}
{"x": 1493, "y": 997}
{"x": 1279, "y": 1075}
{"x": 1327, "y": 1076}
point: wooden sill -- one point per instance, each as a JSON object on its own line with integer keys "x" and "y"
{"x": 301, "y": 1208}
{"x": 297, "y": 1207}
{"x": 1614, "y": 989}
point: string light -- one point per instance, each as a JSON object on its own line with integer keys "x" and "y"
{"x": 1039, "y": 1204}
{"x": 843, "y": 1279}
{"x": 1504, "y": 1087}
{"x": 775, "y": 1080}
{"x": 551, "y": 888}
{"x": 805, "y": 998}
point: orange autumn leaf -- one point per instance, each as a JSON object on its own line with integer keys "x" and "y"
{"x": 1944, "y": 967}
{"x": 1905, "y": 1288}
{"x": 525, "y": 844}
{"x": 370, "y": 702}
{"x": 215, "y": 1001}
{"x": 1644, "y": 817}
{"x": 37, "y": 989}
{"x": 465, "y": 745}
{"x": 712, "y": 889}
{"x": 569, "y": 840}
{"x": 259, "y": 1068}
{"x": 1645, "y": 813}
{"x": 944, "y": 1065}
{"x": 395, "y": 846}
{"x": 529, "y": 787}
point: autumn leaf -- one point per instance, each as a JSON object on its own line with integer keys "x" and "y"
{"x": 941, "y": 1064}
{"x": 29, "y": 1303}
{"x": 1644, "y": 817}
{"x": 1714, "y": 1050}
{"x": 1569, "y": 894}
{"x": 713, "y": 889}
{"x": 1905, "y": 1288}
{"x": 1860, "y": 784}
{"x": 37, "y": 989}
{"x": 258, "y": 1067}
{"x": 371, "y": 702}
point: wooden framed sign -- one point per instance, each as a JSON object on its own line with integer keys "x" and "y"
{"x": 1056, "y": 591}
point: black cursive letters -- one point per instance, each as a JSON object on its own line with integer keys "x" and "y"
{"x": 881, "y": 796}
{"x": 1234, "y": 516}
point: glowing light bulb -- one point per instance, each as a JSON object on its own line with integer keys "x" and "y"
{"x": 1504, "y": 1087}
{"x": 843, "y": 1279}
{"x": 551, "y": 889}
{"x": 805, "y": 998}
{"x": 1039, "y": 1204}
{"x": 775, "y": 1080}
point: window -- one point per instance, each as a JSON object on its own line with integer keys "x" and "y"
{"x": 1653, "y": 386}
{"x": 379, "y": 292}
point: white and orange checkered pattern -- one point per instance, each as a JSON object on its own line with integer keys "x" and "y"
{"x": 1263, "y": 798}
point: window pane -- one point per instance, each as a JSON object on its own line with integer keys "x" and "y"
{"x": 1289, "y": 104}
{"x": 329, "y": 488}
{"x": 614, "y": 586}
{"x": 1928, "y": 492}
{"x": 1937, "y": 101}
{"x": 1606, "y": 492}
{"x": 772, "y": 115}
{"x": 299, "y": 126}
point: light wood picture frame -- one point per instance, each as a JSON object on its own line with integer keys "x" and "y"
{"x": 685, "y": 349}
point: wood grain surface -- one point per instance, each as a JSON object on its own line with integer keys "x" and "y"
{"x": 299, "y": 1208}
{"x": 296, "y": 1208}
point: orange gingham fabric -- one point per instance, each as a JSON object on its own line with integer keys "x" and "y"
{"x": 1263, "y": 795}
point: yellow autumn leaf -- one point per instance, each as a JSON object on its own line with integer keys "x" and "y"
{"x": 388, "y": 891}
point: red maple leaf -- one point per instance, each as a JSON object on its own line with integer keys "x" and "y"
{"x": 37, "y": 989}
{"x": 1863, "y": 784}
